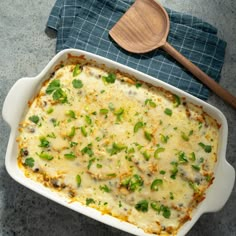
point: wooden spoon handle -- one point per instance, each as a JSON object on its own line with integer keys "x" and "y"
{"x": 208, "y": 81}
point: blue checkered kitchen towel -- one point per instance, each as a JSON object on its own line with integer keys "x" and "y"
{"x": 84, "y": 24}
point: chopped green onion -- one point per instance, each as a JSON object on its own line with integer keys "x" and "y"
{"x": 150, "y": 103}
{"x": 184, "y": 136}
{"x": 174, "y": 170}
{"x": 70, "y": 155}
{"x": 72, "y": 132}
{"x": 156, "y": 183}
{"x": 71, "y": 114}
{"x": 45, "y": 156}
{"x": 168, "y": 112}
{"x": 83, "y": 131}
{"x": 29, "y": 161}
{"x": 148, "y": 135}
{"x": 207, "y": 148}
{"x": 50, "y": 110}
{"x": 77, "y": 70}
{"x": 88, "y": 120}
{"x": 78, "y": 180}
{"x": 137, "y": 126}
{"x": 116, "y": 148}
{"x": 195, "y": 167}
{"x": 103, "y": 111}
{"x": 164, "y": 138}
{"x": 192, "y": 156}
{"x": 158, "y": 150}
{"x": 90, "y": 163}
{"x": 146, "y": 155}
{"x": 182, "y": 158}
{"x": 177, "y": 101}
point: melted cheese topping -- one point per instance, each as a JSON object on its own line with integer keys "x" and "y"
{"x": 137, "y": 152}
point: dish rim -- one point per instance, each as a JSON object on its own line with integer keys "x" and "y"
{"x": 28, "y": 86}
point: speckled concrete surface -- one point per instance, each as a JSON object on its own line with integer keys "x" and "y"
{"x": 25, "y": 49}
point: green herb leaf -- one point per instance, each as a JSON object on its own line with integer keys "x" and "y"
{"x": 78, "y": 180}
{"x": 138, "y": 85}
{"x": 34, "y": 119}
{"x": 182, "y": 158}
{"x": 77, "y": 70}
{"x": 89, "y": 201}
{"x": 54, "y": 85}
{"x": 138, "y": 126}
{"x": 44, "y": 142}
{"x": 171, "y": 196}
{"x": 132, "y": 183}
{"x": 168, "y": 112}
{"x": 88, "y": 150}
{"x": 70, "y": 156}
{"x": 207, "y": 148}
{"x": 60, "y": 96}
{"x": 105, "y": 188}
{"x": 29, "y": 161}
{"x": 110, "y": 78}
{"x": 155, "y": 184}
{"x": 77, "y": 83}
{"x": 142, "y": 206}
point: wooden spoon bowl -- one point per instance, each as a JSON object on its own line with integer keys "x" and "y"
{"x": 145, "y": 27}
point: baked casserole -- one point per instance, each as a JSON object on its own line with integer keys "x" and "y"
{"x": 109, "y": 141}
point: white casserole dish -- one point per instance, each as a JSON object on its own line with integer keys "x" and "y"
{"x": 24, "y": 90}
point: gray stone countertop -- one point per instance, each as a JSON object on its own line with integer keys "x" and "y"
{"x": 25, "y": 49}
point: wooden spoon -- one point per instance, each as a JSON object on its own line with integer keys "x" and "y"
{"x": 145, "y": 27}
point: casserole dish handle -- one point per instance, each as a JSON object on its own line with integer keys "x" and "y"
{"x": 221, "y": 189}
{"x": 17, "y": 99}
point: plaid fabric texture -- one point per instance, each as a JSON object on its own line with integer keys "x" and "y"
{"x": 84, "y": 24}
